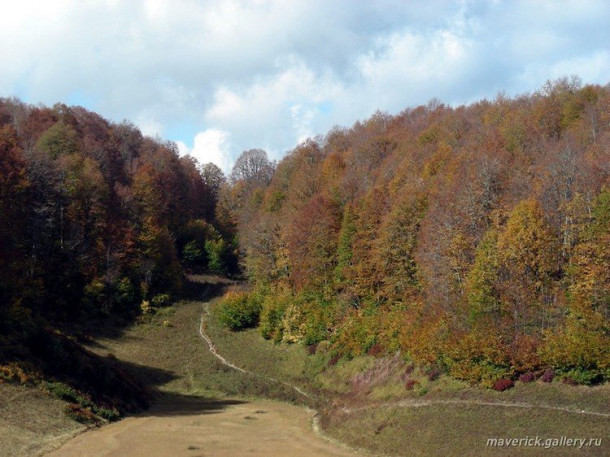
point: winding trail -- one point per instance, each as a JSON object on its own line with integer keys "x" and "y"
{"x": 423, "y": 403}
{"x": 227, "y": 363}
{"x": 315, "y": 415}
{"x": 187, "y": 426}
{"x": 198, "y": 427}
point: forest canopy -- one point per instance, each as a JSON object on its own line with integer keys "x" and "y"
{"x": 96, "y": 220}
{"x": 473, "y": 238}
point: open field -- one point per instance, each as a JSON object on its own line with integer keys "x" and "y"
{"x": 363, "y": 402}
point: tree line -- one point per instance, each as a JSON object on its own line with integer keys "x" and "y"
{"x": 97, "y": 220}
{"x": 474, "y": 239}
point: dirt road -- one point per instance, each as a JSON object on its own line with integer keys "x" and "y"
{"x": 197, "y": 428}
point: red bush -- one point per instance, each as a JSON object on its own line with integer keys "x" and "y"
{"x": 527, "y": 377}
{"x": 548, "y": 375}
{"x": 434, "y": 374}
{"x": 410, "y": 384}
{"x": 376, "y": 350}
{"x": 334, "y": 360}
{"x": 569, "y": 381}
{"x": 503, "y": 384}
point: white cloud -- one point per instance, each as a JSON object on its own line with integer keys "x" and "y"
{"x": 243, "y": 74}
{"x": 210, "y": 146}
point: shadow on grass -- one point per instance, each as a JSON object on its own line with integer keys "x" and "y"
{"x": 205, "y": 287}
{"x": 196, "y": 288}
{"x": 175, "y": 404}
{"x": 78, "y": 375}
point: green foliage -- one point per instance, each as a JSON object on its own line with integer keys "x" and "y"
{"x": 481, "y": 283}
{"x": 272, "y": 317}
{"x": 81, "y": 408}
{"x": 191, "y": 253}
{"x": 216, "y": 251}
{"x": 125, "y": 292}
{"x": 585, "y": 377}
{"x": 239, "y": 311}
{"x": 160, "y": 300}
{"x": 59, "y": 139}
{"x": 396, "y": 248}
{"x": 344, "y": 248}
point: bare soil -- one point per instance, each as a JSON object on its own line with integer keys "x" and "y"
{"x": 197, "y": 428}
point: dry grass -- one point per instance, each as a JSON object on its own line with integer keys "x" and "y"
{"x": 32, "y": 422}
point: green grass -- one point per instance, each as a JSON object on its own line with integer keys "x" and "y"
{"x": 248, "y": 349}
{"x": 169, "y": 341}
{"x": 463, "y": 430}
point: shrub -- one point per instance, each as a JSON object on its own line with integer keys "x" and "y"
{"x": 110, "y": 415}
{"x": 376, "y": 350}
{"x": 160, "y": 300}
{"x": 315, "y": 328}
{"x": 67, "y": 393}
{"x": 15, "y": 373}
{"x": 125, "y": 292}
{"x": 548, "y": 375}
{"x": 312, "y": 348}
{"x": 530, "y": 376}
{"x": 569, "y": 381}
{"x": 238, "y": 311}
{"x": 83, "y": 415}
{"x": 334, "y": 360}
{"x": 433, "y": 372}
{"x": 216, "y": 251}
{"x": 422, "y": 390}
{"x": 581, "y": 376}
{"x": 410, "y": 384}
{"x": 145, "y": 307}
{"x": 503, "y": 384}
{"x": 272, "y": 316}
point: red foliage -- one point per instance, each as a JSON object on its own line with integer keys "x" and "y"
{"x": 434, "y": 374}
{"x": 528, "y": 377}
{"x": 334, "y": 360}
{"x": 410, "y": 384}
{"x": 548, "y": 375}
{"x": 311, "y": 349}
{"x": 503, "y": 384}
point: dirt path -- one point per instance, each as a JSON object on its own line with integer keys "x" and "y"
{"x": 423, "y": 403}
{"x": 224, "y": 361}
{"x": 196, "y": 427}
{"x": 261, "y": 428}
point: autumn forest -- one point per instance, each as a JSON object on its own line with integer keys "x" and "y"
{"x": 474, "y": 240}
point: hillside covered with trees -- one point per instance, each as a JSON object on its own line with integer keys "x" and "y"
{"x": 473, "y": 239}
{"x": 98, "y": 223}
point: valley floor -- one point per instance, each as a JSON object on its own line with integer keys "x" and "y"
{"x": 205, "y": 407}
{"x": 197, "y": 428}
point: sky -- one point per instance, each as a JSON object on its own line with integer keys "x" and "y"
{"x": 222, "y": 76}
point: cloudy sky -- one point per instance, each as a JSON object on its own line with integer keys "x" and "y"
{"x": 221, "y": 76}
